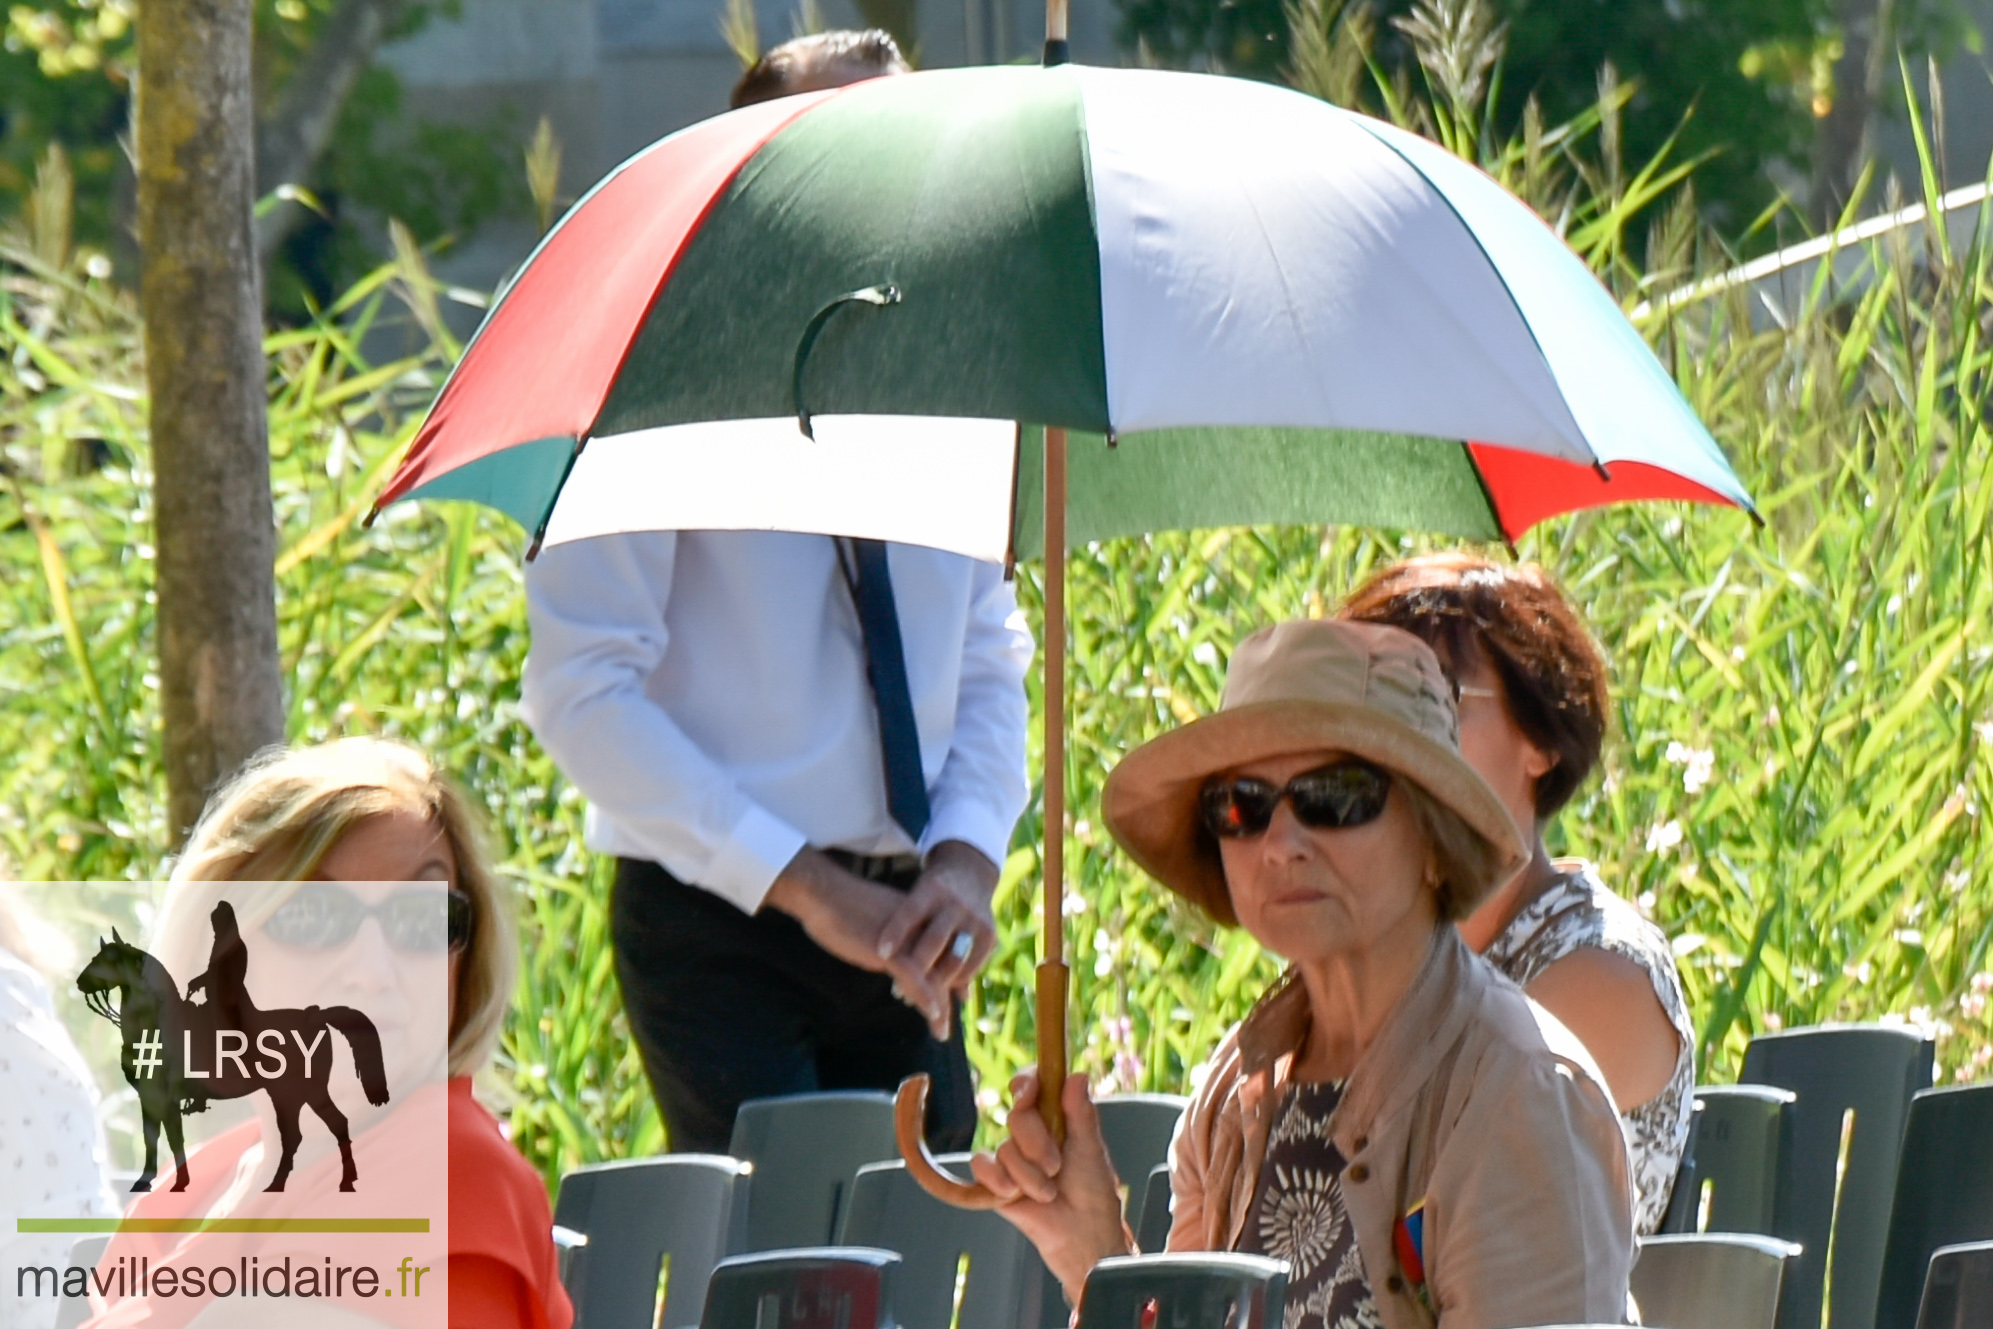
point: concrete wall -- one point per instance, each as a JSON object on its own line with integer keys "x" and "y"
{"x": 615, "y": 75}
{"x": 1967, "y": 88}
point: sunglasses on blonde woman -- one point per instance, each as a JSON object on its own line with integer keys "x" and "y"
{"x": 1334, "y": 797}
{"x": 321, "y": 915}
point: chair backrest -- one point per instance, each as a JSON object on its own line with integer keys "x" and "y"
{"x": 805, "y": 1149}
{"x": 638, "y": 1214}
{"x": 889, "y": 1210}
{"x": 84, "y": 1253}
{"x": 818, "y": 1287}
{"x": 1854, "y": 1081}
{"x": 1743, "y": 1152}
{"x": 1152, "y": 1223}
{"x": 1958, "y": 1291}
{"x": 1137, "y": 1129}
{"x": 1710, "y": 1280}
{"x": 1206, "y": 1290}
{"x": 1685, "y": 1194}
{"x": 1944, "y": 1194}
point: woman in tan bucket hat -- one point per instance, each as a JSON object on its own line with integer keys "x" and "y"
{"x": 1395, "y": 1120}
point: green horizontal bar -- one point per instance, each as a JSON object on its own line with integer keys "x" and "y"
{"x": 319, "y": 1225}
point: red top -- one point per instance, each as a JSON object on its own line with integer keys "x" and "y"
{"x": 503, "y": 1272}
{"x": 502, "y": 1269}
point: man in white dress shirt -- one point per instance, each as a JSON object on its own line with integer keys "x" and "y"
{"x": 808, "y": 756}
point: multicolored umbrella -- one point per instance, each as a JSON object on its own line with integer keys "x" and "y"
{"x": 941, "y": 307}
{"x": 1245, "y": 304}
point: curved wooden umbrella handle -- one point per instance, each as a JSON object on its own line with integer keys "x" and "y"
{"x": 909, "y": 1121}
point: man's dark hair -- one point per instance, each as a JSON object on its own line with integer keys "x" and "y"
{"x": 1553, "y": 676}
{"x": 820, "y": 60}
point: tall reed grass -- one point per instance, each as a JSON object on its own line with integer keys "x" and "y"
{"x": 1795, "y": 787}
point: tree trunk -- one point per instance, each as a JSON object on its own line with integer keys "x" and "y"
{"x": 290, "y": 142}
{"x": 220, "y": 685}
{"x": 1841, "y": 140}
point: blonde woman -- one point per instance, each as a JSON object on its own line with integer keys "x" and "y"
{"x": 324, "y": 857}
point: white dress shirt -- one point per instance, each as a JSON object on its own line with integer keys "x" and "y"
{"x": 706, "y": 691}
{"x": 52, "y": 1156}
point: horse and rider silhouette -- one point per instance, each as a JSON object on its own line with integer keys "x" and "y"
{"x": 236, "y": 1048}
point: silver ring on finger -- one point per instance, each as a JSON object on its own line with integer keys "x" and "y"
{"x": 964, "y": 943}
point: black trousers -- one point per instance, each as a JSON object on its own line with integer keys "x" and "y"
{"x": 729, "y": 1006}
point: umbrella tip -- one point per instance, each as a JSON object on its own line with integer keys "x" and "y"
{"x": 1057, "y": 52}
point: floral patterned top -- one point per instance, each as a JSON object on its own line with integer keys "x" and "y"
{"x": 1298, "y": 1216}
{"x": 1578, "y": 912}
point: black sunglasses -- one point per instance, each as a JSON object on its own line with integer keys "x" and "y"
{"x": 322, "y": 915}
{"x": 1329, "y": 798}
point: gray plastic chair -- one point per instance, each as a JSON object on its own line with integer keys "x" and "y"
{"x": 1871, "y": 1071}
{"x": 1137, "y": 1128}
{"x": 636, "y": 1215}
{"x": 570, "y": 1249}
{"x": 818, "y": 1287}
{"x": 1958, "y": 1293}
{"x": 1207, "y": 1290}
{"x": 1743, "y": 1151}
{"x": 1685, "y": 1194}
{"x": 1944, "y": 1194}
{"x": 805, "y": 1149}
{"x": 84, "y": 1253}
{"x": 1152, "y": 1224}
{"x": 1710, "y": 1280}
{"x": 889, "y": 1210}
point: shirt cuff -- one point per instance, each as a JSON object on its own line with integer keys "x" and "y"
{"x": 752, "y": 856}
{"x": 973, "y": 825}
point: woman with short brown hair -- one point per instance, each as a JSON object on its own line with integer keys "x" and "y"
{"x": 1532, "y": 718}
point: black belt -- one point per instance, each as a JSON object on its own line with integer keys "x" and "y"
{"x": 896, "y": 870}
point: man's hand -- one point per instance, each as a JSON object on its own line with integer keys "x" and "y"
{"x": 847, "y": 916}
{"x": 950, "y": 903}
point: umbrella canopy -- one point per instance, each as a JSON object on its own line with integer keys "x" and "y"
{"x": 1245, "y": 305}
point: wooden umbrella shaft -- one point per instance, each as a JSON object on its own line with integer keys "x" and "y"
{"x": 910, "y": 1106}
{"x": 1052, "y": 976}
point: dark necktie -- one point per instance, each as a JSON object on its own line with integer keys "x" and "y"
{"x": 886, "y": 668}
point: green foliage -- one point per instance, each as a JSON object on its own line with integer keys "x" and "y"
{"x": 66, "y": 75}
{"x": 1741, "y": 79}
{"x": 439, "y": 180}
{"x": 1796, "y": 786}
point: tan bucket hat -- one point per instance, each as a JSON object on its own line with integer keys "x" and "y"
{"x": 1372, "y": 691}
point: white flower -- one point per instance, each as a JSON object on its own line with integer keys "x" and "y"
{"x": 1662, "y": 838}
{"x": 1205, "y": 654}
{"x": 1697, "y": 764}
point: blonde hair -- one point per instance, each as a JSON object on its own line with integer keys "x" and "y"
{"x": 272, "y": 825}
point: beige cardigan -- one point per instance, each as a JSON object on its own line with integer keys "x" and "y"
{"x": 1472, "y": 1098}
